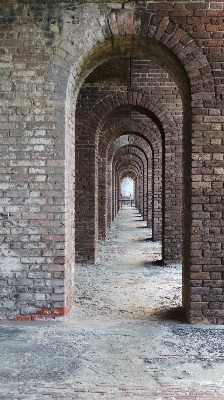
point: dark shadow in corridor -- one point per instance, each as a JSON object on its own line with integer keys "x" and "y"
{"x": 173, "y": 314}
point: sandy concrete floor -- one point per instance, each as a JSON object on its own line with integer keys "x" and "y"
{"x": 123, "y": 338}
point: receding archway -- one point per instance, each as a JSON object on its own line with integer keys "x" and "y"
{"x": 126, "y": 44}
{"x": 93, "y": 127}
{"x": 72, "y": 54}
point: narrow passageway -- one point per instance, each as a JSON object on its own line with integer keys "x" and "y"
{"x": 127, "y": 281}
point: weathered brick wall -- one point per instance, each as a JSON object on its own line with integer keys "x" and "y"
{"x": 33, "y": 258}
{"x": 47, "y": 50}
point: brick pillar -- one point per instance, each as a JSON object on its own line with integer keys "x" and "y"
{"x": 109, "y": 194}
{"x": 157, "y": 217}
{"x": 103, "y": 202}
{"x": 86, "y": 203}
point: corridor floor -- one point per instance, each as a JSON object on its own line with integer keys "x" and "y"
{"x": 124, "y": 338}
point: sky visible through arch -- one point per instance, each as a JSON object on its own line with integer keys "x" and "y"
{"x": 127, "y": 187}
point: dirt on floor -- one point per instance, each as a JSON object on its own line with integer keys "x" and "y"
{"x": 128, "y": 280}
{"x": 125, "y": 336}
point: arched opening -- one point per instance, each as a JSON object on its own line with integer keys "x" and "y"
{"x": 143, "y": 44}
{"x": 158, "y": 124}
{"x": 128, "y": 187}
{"x": 119, "y": 94}
{"x": 182, "y": 120}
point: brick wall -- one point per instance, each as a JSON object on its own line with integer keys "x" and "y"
{"x": 47, "y": 51}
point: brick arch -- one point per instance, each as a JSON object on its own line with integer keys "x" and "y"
{"x": 148, "y": 132}
{"x": 88, "y": 133}
{"x": 104, "y": 204}
{"x": 150, "y": 27}
{"x": 71, "y": 58}
{"x": 130, "y": 159}
{"x": 145, "y": 147}
{"x": 113, "y": 129}
{"x": 127, "y": 164}
{"x": 107, "y": 133}
{"x": 133, "y": 139}
{"x": 131, "y": 173}
{"x": 127, "y": 139}
{"x": 123, "y": 30}
{"x": 151, "y": 144}
{"x": 164, "y": 31}
{"x": 95, "y": 123}
{"x": 128, "y": 172}
{"x": 94, "y": 119}
{"x": 164, "y": 121}
{"x": 140, "y": 155}
{"x": 101, "y": 111}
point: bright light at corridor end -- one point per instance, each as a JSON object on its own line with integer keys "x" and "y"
{"x": 127, "y": 187}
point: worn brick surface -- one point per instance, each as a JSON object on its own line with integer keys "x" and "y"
{"x": 47, "y": 51}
